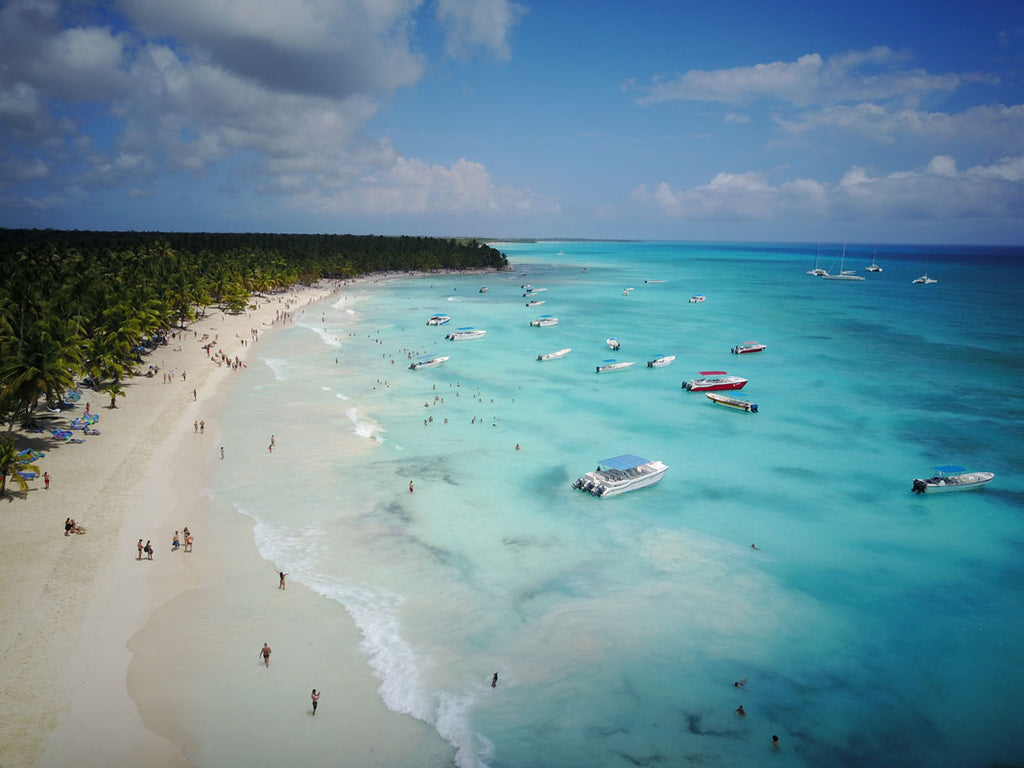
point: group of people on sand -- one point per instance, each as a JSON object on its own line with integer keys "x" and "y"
{"x": 70, "y": 526}
{"x": 176, "y": 541}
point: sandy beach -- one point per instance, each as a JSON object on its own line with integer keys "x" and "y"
{"x": 115, "y": 661}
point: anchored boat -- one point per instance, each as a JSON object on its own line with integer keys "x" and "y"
{"x": 620, "y": 474}
{"x": 952, "y": 478}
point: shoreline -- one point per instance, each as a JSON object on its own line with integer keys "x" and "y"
{"x": 88, "y": 677}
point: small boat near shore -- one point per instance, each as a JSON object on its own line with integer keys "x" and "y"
{"x": 620, "y": 474}
{"x": 613, "y": 343}
{"x": 483, "y": 289}
{"x": 439, "y": 319}
{"x": 611, "y": 365}
{"x": 544, "y": 321}
{"x": 428, "y": 361}
{"x": 710, "y": 381}
{"x": 732, "y": 402}
{"x": 535, "y": 303}
{"x": 697, "y": 298}
{"x": 467, "y": 332}
{"x": 555, "y": 355}
{"x": 747, "y": 347}
{"x": 660, "y": 361}
{"x": 950, "y": 478}
{"x": 654, "y": 281}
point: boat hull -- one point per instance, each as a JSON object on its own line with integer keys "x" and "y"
{"x": 661, "y": 362}
{"x": 967, "y": 481}
{"x": 555, "y": 355}
{"x": 614, "y": 367}
{"x": 746, "y": 349}
{"x": 432, "y": 363}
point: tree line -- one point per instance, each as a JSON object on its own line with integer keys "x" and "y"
{"x": 81, "y": 305}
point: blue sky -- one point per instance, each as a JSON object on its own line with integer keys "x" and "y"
{"x": 797, "y": 121}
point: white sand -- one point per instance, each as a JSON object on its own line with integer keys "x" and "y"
{"x": 109, "y": 661}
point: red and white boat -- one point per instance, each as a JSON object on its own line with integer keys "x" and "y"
{"x": 710, "y": 381}
{"x": 748, "y": 346}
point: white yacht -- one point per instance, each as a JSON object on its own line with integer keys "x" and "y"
{"x": 620, "y": 474}
{"x": 467, "y": 332}
{"x": 439, "y": 319}
{"x": 544, "y": 321}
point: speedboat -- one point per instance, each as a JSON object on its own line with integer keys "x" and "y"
{"x": 748, "y": 346}
{"x": 439, "y": 319}
{"x": 535, "y": 303}
{"x": 732, "y": 402}
{"x": 613, "y": 343}
{"x": 620, "y": 474}
{"x": 660, "y": 361}
{"x": 654, "y": 281}
{"x": 628, "y": 291}
{"x": 534, "y": 291}
{"x": 467, "y": 332}
{"x": 483, "y": 289}
{"x": 555, "y": 355}
{"x": 951, "y": 478}
{"x": 709, "y": 381}
{"x": 697, "y": 298}
{"x": 428, "y": 361}
{"x": 611, "y": 364}
{"x": 544, "y": 321}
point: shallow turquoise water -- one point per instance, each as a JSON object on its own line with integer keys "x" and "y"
{"x": 873, "y": 627}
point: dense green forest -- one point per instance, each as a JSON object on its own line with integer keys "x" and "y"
{"x": 78, "y": 305}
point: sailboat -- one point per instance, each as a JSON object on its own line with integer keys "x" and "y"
{"x": 873, "y": 267}
{"x": 843, "y": 274}
{"x": 817, "y": 271}
{"x": 924, "y": 279}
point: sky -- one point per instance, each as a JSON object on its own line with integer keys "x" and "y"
{"x": 897, "y": 121}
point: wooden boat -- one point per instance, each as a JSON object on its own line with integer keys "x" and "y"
{"x": 732, "y": 402}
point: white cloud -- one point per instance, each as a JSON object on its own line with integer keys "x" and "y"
{"x": 936, "y": 191}
{"x": 811, "y": 79}
{"x": 997, "y": 126}
{"x": 472, "y": 24}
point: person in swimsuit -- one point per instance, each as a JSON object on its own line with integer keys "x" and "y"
{"x": 316, "y": 697}
{"x": 140, "y": 550}
{"x": 265, "y": 653}
{"x": 67, "y": 527}
{"x": 282, "y": 574}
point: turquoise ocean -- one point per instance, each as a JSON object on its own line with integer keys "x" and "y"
{"x": 871, "y": 626}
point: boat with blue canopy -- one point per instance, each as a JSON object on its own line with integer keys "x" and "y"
{"x": 619, "y": 474}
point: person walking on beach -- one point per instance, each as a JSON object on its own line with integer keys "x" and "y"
{"x": 316, "y": 698}
{"x": 410, "y": 486}
{"x": 140, "y": 550}
{"x": 175, "y": 542}
{"x": 46, "y": 481}
{"x": 280, "y": 584}
{"x": 265, "y": 653}
{"x": 202, "y": 427}
{"x": 188, "y": 543}
{"x": 149, "y": 551}
{"x": 222, "y": 452}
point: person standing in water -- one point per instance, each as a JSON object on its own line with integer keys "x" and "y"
{"x": 280, "y": 584}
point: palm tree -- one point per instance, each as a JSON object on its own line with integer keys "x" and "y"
{"x": 115, "y": 391}
{"x": 12, "y": 462}
{"x": 41, "y": 360}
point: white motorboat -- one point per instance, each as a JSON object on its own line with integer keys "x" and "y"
{"x": 610, "y": 365}
{"x": 483, "y": 289}
{"x": 534, "y": 291}
{"x": 428, "y": 361}
{"x": 951, "y": 478}
{"x": 654, "y": 281}
{"x": 620, "y": 474}
{"x": 697, "y": 298}
{"x": 709, "y": 381}
{"x": 535, "y": 303}
{"x": 732, "y": 402}
{"x": 544, "y": 321}
{"x": 613, "y": 343}
{"x": 555, "y": 355}
{"x": 660, "y": 361}
{"x": 747, "y": 347}
{"x": 439, "y": 319}
{"x": 468, "y": 332}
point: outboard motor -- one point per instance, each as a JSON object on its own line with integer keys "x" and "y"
{"x": 919, "y": 486}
